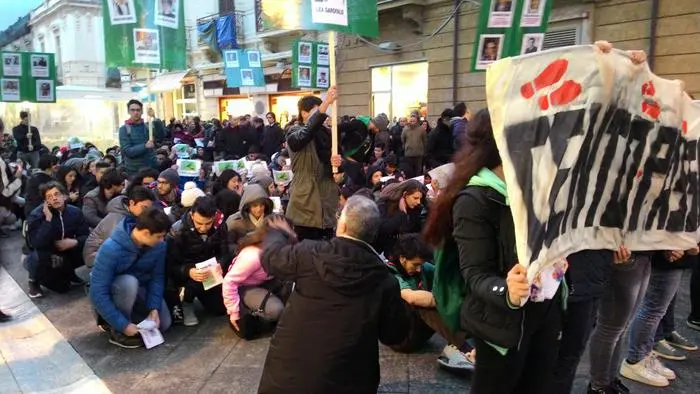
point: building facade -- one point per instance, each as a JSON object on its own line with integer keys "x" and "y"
{"x": 419, "y": 70}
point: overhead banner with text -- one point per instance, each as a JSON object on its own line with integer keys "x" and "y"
{"x": 597, "y": 153}
{"x": 145, "y": 34}
{"x": 346, "y": 16}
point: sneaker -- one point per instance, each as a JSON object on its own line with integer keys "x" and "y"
{"x": 177, "y": 315}
{"x": 453, "y": 358}
{"x": 605, "y": 390}
{"x": 694, "y": 324}
{"x": 190, "y": 318}
{"x": 659, "y": 368}
{"x": 35, "y": 290}
{"x": 643, "y": 372}
{"x": 619, "y": 388}
{"x": 679, "y": 341}
{"x": 664, "y": 349}
{"x": 121, "y": 340}
{"x": 75, "y": 280}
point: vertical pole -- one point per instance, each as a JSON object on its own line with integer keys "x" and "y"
{"x": 334, "y": 106}
{"x": 148, "y": 109}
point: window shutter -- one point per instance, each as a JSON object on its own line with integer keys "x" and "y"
{"x": 561, "y": 38}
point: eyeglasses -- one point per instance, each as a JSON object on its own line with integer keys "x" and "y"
{"x": 135, "y": 110}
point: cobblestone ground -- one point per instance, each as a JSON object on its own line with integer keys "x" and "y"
{"x": 209, "y": 358}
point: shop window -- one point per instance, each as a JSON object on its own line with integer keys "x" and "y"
{"x": 399, "y": 89}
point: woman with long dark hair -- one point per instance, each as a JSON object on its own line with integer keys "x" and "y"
{"x": 400, "y": 206}
{"x": 70, "y": 179}
{"x": 472, "y": 226}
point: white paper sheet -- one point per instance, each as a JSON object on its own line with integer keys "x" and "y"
{"x": 150, "y": 334}
{"x": 215, "y": 278}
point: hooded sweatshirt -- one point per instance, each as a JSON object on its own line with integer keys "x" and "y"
{"x": 245, "y": 270}
{"x": 241, "y": 223}
{"x": 345, "y": 301}
{"x": 116, "y": 211}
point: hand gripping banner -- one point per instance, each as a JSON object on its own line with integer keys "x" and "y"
{"x": 597, "y": 153}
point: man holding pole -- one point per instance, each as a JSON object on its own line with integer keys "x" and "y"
{"x": 136, "y": 141}
{"x": 28, "y": 140}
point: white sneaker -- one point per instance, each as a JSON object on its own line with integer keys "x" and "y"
{"x": 659, "y": 368}
{"x": 190, "y": 316}
{"x": 453, "y": 358}
{"x": 642, "y": 372}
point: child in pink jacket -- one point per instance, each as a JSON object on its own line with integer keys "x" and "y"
{"x": 245, "y": 282}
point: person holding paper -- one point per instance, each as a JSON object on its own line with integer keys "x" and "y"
{"x": 128, "y": 279}
{"x": 255, "y": 206}
{"x": 200, "y": 235}
{"x": 135, "y": 141}
{"x": 314, "y": 194}
{"x": 247, "y": 282}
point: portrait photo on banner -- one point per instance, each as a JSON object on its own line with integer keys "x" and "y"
{"x": 247, "y": 77}
{"x": 323, "y": 58}
{"x": 44, "y": 90}
{"x": 12, "y": 64}
{"x": 40, "y": 66}
{"x": 231, "y": 59}
{"x": 304, "y": 76}
{"x": 254, "y": 59}
{"x": 532, "y": 43}
{"x": 533, "y": 13}
{"x": 489, "y": 50}
{"x": 147, "y": 46}
{"x": 322, "y": 77}
{"x": 121, "y": 12}
{"x": 501, "y": 13}
{"x": 10, "y": 90}
{"x": 166, "y": 13}
{"x": 305, "y": 52}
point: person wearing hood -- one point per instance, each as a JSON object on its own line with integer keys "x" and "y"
{"x": 169, "y": 194}
{"x": 200, "y": 235}
{"x": 400, "y": 207}
{"x": 379, "y": 128}
{"x": 266, "y": 182}
{"x": 314, "y": 194}
{"x": 414, "y": 140}
{"x": 135, "y": 141}
{"x": 128, "y": 279}
{"x": 440, "y": 144}
{"x": 255, "y": 206}
{"x": 95, "y": 202}
{"x": 137, "y": 199}
{"x": 345, "y": 302}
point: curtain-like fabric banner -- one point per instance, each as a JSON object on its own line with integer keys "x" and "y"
{"x": 226, "y": 32}
{"x": 206, "y": 32}
{"x": 597, "y": 153}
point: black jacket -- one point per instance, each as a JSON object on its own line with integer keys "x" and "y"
{"x": 272, "y": 139}
{"x": 33, "y": 197}
{"x": 485, "y": 237}
{"x": 345, "y": 300}
{"x": 440, "y": 145}
{"x": 230, "y": 141}
{"x": 395, "y": 224}
{"x": 187, "y": 248}
{"x": 20, "y": 132}
{"x": 588, "y": 274}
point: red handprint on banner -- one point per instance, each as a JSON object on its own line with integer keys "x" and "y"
{"x": 650, "y": 105}
{"x": 551, "y": 75}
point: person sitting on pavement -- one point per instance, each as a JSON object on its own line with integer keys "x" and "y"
{"x": 128, "y": 278}
{"x": 345, "y": 301}
{"x": 190, "y": 195}
{"x": 169, "y": 194}
{"x": 199, "y": 236}
{"x": 95, "y": 172}
{"x": 415, "y": 277}
{"x": 247, "y": 282}
{"x": 255, "y": 206}
{"x": 57, "y": 231}
{"x": 137, "y": 199}
{"x": 95, "y": 202}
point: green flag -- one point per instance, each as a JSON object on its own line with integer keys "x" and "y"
{"x": 145, "y": 34}
{"x": 345, "y": 16}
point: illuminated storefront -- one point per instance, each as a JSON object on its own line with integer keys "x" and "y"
{"x": 400, "y": 89}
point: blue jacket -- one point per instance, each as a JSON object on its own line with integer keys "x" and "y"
{"x": 119, "y": 255}
{"x": 134, "y": 152}
{"x": 67, "y": 224}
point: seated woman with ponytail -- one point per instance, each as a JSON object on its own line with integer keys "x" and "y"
{"x": 471, "y": 226}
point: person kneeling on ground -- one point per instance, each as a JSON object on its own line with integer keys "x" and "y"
{"x": 128, "y": 278}
{"x": 247, "y": 282}
{"x": 137, "y": 199}
{"x": 345, "y": 302}
{"x": 415, "y": 278}
{"x": 57, "y": 232}
{"x": 255, "y": 206}
{"x": 96, "y": 201}
{"x": 199, "y": 236}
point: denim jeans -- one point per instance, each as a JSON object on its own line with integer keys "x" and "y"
{"x": 622, "y": 297}
{"x": 663, "y": 286}
{"x": 695, "y": 293}
{"x": 130, "y": 298}
{"x": 667, "y": 325}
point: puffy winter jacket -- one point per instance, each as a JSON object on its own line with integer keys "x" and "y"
{"x": 245, "y": 270}
{"x": 119, "y": 255}
{"x": 117, "y": 210}
{"x": 94, "y": 207}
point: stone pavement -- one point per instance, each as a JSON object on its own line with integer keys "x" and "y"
{"x": 209, "y": 358}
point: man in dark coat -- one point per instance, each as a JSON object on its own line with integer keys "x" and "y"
{"x": 28, "y": 140}
{"x": 345, "y": 301}
{"x": 273, "y": 136}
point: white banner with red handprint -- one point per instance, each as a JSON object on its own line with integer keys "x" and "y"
{"x": 597, "y": 153}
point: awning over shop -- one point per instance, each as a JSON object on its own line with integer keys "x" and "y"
{"x": 167, "y": 82}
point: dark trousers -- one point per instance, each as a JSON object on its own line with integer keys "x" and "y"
{"x": 529, "y": 368}
{"x": 318, "y": 234}
{"x": 424, "y": 323}
{"x": 212, "y": 300}
{"x": 577, "y": 327}
{"x": 695, "y": 293}
{"x": 413, "y": 166}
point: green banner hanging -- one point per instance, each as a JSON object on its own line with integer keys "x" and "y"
{"x": 310, "y": 65}
{"x": 509, "y": 28}
{"x": 346, "y": 16}
{"x": 145, "y": 34}
{"x": 28, "y": 76}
